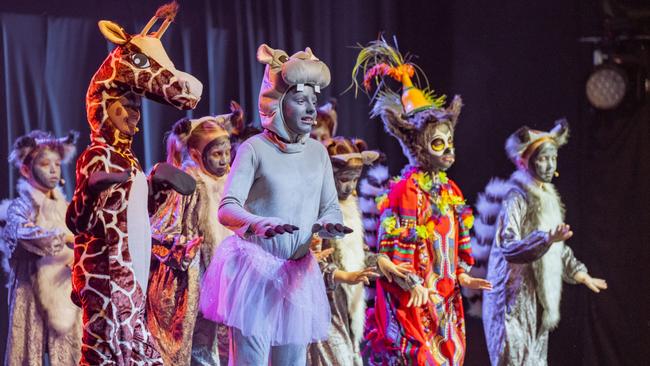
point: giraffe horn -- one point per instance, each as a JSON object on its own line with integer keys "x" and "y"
{"x": 148, "y": 26}
{"x": 167, "y": 11}
{"x": 163, "y": 28}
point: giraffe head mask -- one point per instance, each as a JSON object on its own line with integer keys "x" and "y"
{"x": 139, "y": 66}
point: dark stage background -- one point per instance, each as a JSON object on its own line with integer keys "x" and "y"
{"x": 514, "y": 62}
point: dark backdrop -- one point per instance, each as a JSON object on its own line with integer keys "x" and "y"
{"x": 514, "y": 63}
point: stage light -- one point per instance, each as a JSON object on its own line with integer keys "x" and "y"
{"x": 606, "y": 86}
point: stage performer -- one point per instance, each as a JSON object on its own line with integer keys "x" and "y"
{"x": 528, "y": 259}
{"x": 108, "y": 213}
{"x": 326, "y": 121}
{"x": 264, "y": 282}
{"x": 354, "y": 262}
{"x": 425, "y": 222}
{"x": 186, "y": 232}
{"x": 44, "y": 324}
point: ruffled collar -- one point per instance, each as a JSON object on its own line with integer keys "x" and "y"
{"x": 285, "y": 147}
{"x": 38, "y": 197}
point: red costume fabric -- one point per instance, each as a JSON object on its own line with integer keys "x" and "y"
{"x": 425, "y": 223}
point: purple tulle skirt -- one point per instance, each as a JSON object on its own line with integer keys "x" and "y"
{"x": 262, "y": 295}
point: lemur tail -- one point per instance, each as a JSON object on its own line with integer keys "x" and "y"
{"x": 488, "y": 207}
{"x": 371, "y": 186}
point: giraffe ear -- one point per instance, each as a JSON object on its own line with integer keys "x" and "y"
{"x": 113, "y": 32}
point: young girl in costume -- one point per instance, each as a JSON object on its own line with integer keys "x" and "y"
{"x": 109, "y": 211}
{"x": 352, "y": 260}
{"x": 425, "y": 223}
{"x": 186, "y": 232}
{"x": 528, "y": 256}
{"x": 44, "y": 324}
{"x": 264, "y": 282}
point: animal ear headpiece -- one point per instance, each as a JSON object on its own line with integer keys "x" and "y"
{"x": 327, "y": 117}
{"x": 280, "y": 74}
{"x": 184, "y": 128}
{"x": 27, "y": 147}
{"x": 522, "y": 144}
{"x": 350, "y": 153}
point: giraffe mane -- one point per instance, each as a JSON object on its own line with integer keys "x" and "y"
{"x": 168, "y": 11}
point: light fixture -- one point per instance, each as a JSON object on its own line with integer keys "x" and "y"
{"x": 607, "y": 86}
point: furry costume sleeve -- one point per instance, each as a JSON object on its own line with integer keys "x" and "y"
{"x": 509, "y": 228}
{"x": 21, "y": 229}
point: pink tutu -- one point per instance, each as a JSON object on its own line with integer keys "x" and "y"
{"x": 262, "y": 295}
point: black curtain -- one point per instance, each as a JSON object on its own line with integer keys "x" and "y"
{"x": 513, "y": 62}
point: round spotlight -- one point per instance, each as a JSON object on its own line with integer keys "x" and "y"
{"x": 606, "y": 87}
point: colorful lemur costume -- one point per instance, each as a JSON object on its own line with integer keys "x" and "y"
{"x": 186, "y": 232}
{"x": 111, "y": 223}
{"x": 270, "y": 290}
{"x": 42, "y": 318}
{"x": 347, "y": 302}
{"x": 424, "y": 222}
{"x": 525, "y": 267}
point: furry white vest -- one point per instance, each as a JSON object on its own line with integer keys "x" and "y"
{"x": 349, "y": 255}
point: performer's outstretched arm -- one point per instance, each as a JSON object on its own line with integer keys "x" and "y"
{"x": 509, "y": 226}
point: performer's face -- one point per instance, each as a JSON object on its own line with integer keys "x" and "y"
{"x": 441, "y": 146}
{"x": 299, "y": 110}
{"x": 543, "y": 163}
{"x": 346, "y": 180}
{"x": 45, "y": 171}
{"x": 124, "y": 114}
{"x": 216, "y": 156}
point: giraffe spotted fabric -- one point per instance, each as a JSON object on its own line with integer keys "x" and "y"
{"x": 110, "y": 249}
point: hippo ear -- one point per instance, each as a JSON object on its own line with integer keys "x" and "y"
{"x": 113, "y": 32}
{"x": 309, "y": 52}
{"x": 265, "y": 54}
{"x": 561, "y": 132}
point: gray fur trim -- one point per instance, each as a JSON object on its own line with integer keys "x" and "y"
{"x": 371, "y": 186}
{"x": 368, "y": 205}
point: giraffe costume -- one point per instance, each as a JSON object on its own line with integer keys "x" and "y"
{"x": 112, "y": 236}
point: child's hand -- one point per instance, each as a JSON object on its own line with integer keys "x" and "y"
{"x": 269, "y": 227}
{"x": 330, "y": 230}
{"x": 594, "y": 284}
{"x": 353, "y": 278}
{"x": 474, "y": 283}
{"x": 390, "y": 269}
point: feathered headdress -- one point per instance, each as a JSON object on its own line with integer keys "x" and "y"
{"x": 26, "y": 147}
{"x": 379, "y": 60}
